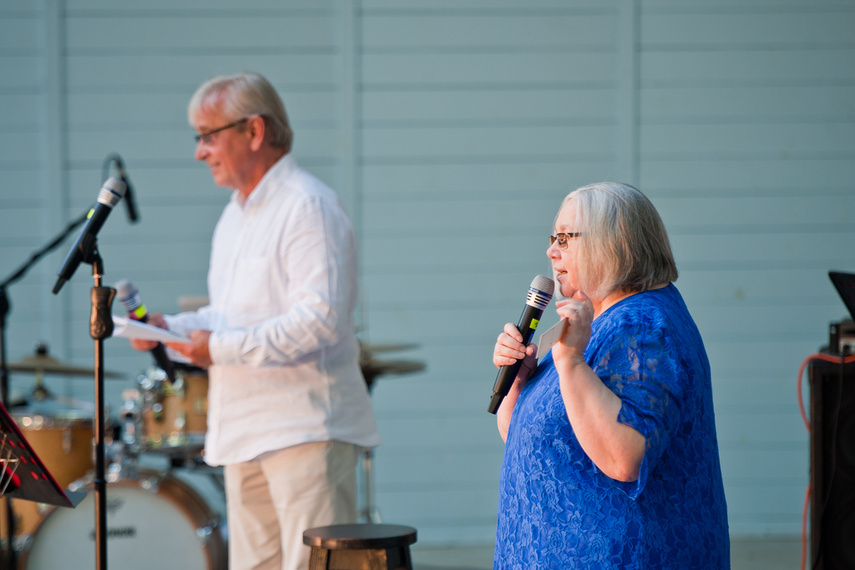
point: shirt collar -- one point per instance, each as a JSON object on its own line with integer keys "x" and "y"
{"x": 281, "y": 170}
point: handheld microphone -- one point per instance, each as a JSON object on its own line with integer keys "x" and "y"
{"x": 112, "y": 191}
{"x": 130, "y": 298}
{"x": 130, "y": 202}
{"x": 539, "y": 295}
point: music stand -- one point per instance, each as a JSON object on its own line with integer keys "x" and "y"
{"x": 23, "y": 475}
{"x": 845, "y": 285}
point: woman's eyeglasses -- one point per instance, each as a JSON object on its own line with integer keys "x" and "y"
{"x": 562, "y": 239}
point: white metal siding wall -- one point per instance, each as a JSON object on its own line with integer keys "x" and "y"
{"x": 452, "y": 130}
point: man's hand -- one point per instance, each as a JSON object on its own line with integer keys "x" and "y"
{"x": 197, "y": 349}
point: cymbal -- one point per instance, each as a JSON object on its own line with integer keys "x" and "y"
{"x": 42, "y": 362}
{"x": 372, "y": 368}
{"x": 386, "y": 347}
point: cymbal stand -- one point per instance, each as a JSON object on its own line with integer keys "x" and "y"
{"x": 369, "y": 512}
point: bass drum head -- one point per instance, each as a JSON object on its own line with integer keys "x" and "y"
{"x": 154, "y": 522}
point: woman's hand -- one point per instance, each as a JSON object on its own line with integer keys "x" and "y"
{"x": 577, "y": 314}
{"x": 508, "y": 350}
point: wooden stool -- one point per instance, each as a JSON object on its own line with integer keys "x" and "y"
{"x": 360, "y": 547}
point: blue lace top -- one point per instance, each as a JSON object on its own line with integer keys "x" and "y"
{"x": 558, "y": 510}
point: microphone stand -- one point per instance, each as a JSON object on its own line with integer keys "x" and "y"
{"x": 100, "y": 327}
{"x": 5, "y": 307}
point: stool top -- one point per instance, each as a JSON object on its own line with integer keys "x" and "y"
{"x": 359, "y": 536}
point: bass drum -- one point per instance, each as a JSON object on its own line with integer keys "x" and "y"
{"x": 155, "y": 521}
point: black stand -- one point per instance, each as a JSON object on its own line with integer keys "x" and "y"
{"x": 22, "y": 473}
{"x": 5, "y": 306}
{"x": 100, "y": 327}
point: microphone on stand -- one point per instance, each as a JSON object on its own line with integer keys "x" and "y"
{"x": 539, "y": 295}
{"x": 130, "y": 298}
{"x": 111, "y": 192}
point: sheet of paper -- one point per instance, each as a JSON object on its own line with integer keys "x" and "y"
{"x": 548, "y": 338}
{"x": 129, "y": 328}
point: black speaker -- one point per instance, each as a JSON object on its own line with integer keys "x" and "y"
{"x": 832, "y": 465}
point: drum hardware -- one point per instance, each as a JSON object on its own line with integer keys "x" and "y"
{"x": 174, "y": 414}
{"x": 371, "y": 370}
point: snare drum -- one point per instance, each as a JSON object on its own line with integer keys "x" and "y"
{"x": 159, "y": 520}
{"x": 174, "y": 415}
{"x": 63, "y": 442}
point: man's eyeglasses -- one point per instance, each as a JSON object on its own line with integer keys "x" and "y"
{"x": 562, "y": 239}
{"x": 208, "y": 138}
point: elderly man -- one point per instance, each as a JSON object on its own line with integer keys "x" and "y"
{"x": 289, "y": 411}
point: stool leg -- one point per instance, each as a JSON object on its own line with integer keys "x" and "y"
{"x": 319, "y": 558}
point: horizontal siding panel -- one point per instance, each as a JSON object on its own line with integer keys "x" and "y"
{"x": 20, "y": 225}
{"x": 510, "y": 69}
{"x": 19, "y": 112}
{"x": 386, "y": 254}
{"x": 19, "y": 33}
{"x": 441, "y": 216}
{"x": 95, "y": 7}
{"x": 504, "y": 286}
{"x": 594, "y": 141}
{"x": 473, "y": 107}
{"x": 21, "y": 149}
{"x": 484, "y": 178}
{"x": 476, "y": 30}
{"x": 21, "y": 72}
{"x": 793, "y": 67}
{"x": 768, "y": 247}
{"x": 156, "y": 184}
{"x": 766, "y": 467}
{"x": 114, "y": 72}
{"x": 451, "y": 7}
{"x": 757, "y": 105}
{"x": 793, "y": 175}
{"x": 779, "y": 140}
{"x": 437, "y": 470}
{"x": 135, "y": 108}
{"x": 747, "y": 31}
{"x": 755, "y": 287}
{"x": 196, "y": 32}
{"x": 681, "y": 215}
{"x": 456, "y": 516}
{"x": 756, "y": 431}
{"x": 785, "y": 501}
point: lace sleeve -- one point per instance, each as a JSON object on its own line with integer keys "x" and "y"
{"x": 642, "y": 368}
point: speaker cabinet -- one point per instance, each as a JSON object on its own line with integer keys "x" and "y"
{"x": 832, "y": 465}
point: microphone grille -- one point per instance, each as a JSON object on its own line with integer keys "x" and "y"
{"x": 112, "y": 192}
{"x": 544, "y": 284}
{"x": 128, "y": 295}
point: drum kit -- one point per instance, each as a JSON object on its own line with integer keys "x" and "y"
{"x": 165, "y": 506}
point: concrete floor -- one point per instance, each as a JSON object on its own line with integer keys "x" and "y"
{"x": 745, "y": 554}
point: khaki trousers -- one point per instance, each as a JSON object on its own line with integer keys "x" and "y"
{"x": 273, "y": 498}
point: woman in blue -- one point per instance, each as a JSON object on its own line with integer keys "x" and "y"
{"x": 611, "y": 458}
